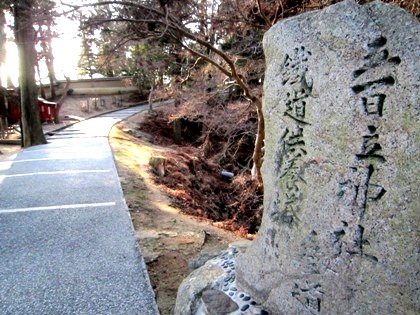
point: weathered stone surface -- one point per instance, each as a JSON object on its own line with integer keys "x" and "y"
{"x": 217, "y": 274}
{"x": 341, "y": 168}
{"x": 204, "y": 256}
{"x": 215, "y": 302}
{"x": 191, "y": 289}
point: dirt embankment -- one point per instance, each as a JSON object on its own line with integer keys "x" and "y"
{"x": 168, "y": 239}
{"x": 208, "y": 172}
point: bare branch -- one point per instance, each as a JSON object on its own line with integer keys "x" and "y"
{"x": 261, "y": 12}
{"x": 166, "y": 21}
{"x": 208, "y": 59}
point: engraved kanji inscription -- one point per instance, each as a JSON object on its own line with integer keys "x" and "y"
{"x": 357, "y": 190}
{"x": 373, "y": 105}
{"x": 309, "y": 295}
{"x": 371, "y": 148}
{"x": 377, "y": 56}
{"x": 373, "y": 91}
{"x": 311, "y": 253}
{"x": 299, "y": 88}
{"x": 294, "y": 66}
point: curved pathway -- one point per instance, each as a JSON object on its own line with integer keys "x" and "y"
{"x": 66, "y": 240}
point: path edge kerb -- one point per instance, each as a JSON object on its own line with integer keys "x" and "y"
{"x": 136, "y": 242}
{"x": 161, "y": 102}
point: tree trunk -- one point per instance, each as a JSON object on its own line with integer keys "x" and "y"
{"x": 52, "y": 86}
{"x": 150, "y": 98}
{"x": 61, "y": 101}
{"x": 2, "y": 40}
{"x": 32, "y": 133}
{"x": 257, "y": 155}
{"x": 49, "y": 60}
{"x": 3, "y": 109}
{"x": 41, "y": 86}
{"x": 177, "y": 129}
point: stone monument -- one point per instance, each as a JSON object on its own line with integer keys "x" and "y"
{"x": 341, "y": 169}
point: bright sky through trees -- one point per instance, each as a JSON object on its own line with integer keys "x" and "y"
{"x": 66, "y": 49}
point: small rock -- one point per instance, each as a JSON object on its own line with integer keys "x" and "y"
{"x": 127, "y": 130}
{"x": 158, "y": 164}
{"x": 191, "y": 288}
{"x": 217, "y": 303}
{"x": 168, "y": 234}
{"x": 244, "y": 307}
{"x": 151, "y": 258}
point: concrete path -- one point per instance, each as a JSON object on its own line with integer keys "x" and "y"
{"x": 66, "y": 240}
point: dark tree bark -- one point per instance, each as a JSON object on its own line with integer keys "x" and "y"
{"x": 45, "y": 13}
{"x": 49, "y": 60}
{"x": 2, "y": 40}
{"x": 61, "y": 101}
{"x": 3, "y": 109}
{"x": 41, "y": 86}
{"x": 32, "y": 133}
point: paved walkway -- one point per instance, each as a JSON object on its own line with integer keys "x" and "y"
{"x": 66, "y": 240}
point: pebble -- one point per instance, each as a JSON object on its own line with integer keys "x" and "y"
{"x": 244, "y": 307}
{"x": 228, "y": 264}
